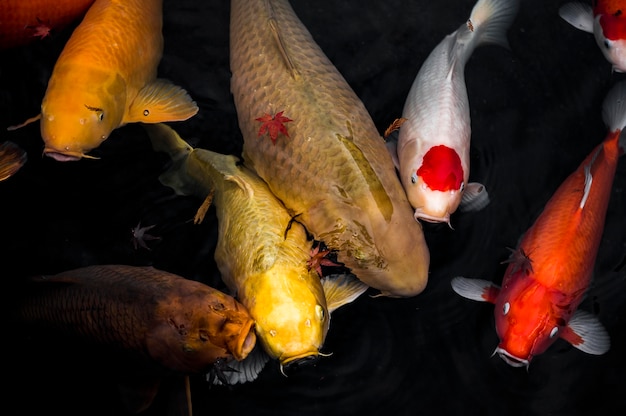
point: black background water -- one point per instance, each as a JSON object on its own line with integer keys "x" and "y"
{"x": 536, "y": 113}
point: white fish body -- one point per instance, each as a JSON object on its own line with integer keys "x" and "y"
{"x": 437, "y": 114}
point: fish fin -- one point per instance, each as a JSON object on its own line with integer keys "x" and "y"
{"x": 241, "y": 183}
{"x": 614, "y": 111}
{"x": 586, "y": 333}
{"x": 165, "y": 139}
{"x": 579, "y": 15}
{"x": 475, "y": 197}
{"x": 12, "y": 158}
{"x": 490, "y": 19}
{"x": 28, "y": 121}
{"x": 341, "y": 289}
{"x": 280, "y": 43}
{"x": 161, "y": 101}
{"x": 475, "y": 289}
{"x": 239, "y": 372}
{"x": 588, "y": 181}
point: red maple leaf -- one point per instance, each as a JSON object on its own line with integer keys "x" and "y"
{"x": 41, "y": 30}
{"x": 273, "y": 125}
{"x": 319, "y": 258}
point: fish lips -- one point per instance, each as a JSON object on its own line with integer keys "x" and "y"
{"x": 511, "y": 359}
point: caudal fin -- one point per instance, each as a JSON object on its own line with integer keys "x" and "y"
{"x": 614, "y": 112}
{"x": 490, "y": 19}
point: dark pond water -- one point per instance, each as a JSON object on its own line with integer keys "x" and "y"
{"x": 536, "y": 113}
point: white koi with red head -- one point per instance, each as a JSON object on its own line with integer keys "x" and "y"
{"x": 432, "y": 152}
{"x": 606, "y": 19}
{"x": 550, "y": 271}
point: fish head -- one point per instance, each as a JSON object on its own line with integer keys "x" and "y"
{"x": 79, "y": 111}
{"x": 199, "y": 326}
{"x": 434, "y": 185}
{"x": 528, "y": 320}
{"x": 610, "y": 33}
{"x": 290, "y": 313}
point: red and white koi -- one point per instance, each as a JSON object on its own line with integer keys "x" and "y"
{"x": 550, "y": 271}
{"x": 606, "y": 19}
{"x": 432, "y": 153}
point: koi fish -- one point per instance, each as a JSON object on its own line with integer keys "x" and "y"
{"x": 105, "y": 78}
{"x": 331, "y": 168}
{"x": 12, "y": 158}
{"x": 180, "y": 325}
{"x": 25, "y": 21}
{"x": 606, "y": 19}
{"x": 262, "y": 252}
{"x": 433, "y": 147}
{"x": 551, "y": 269}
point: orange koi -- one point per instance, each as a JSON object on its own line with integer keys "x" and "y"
{"x": 550, "y": 271}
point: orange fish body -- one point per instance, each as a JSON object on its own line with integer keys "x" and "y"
{"x": 183, "y": 325}
{"x": 106, "y": 77}
{"x": 552, "y": 267}
{"x": 25, "y": 21}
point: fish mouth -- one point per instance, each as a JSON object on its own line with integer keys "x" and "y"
{"x": 419, "y": 215}
{"x": 512, "y": 360}
{"x": 62, "y": 156}
{"x": 294, "y": 363}
{"x": 247, "y": 343}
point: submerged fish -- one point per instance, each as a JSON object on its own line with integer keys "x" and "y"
{"x": 606, "y": 19}
{"x": 262, "y": 251}
{"x": 25, "y": 21}
{"x": 551, "y": 269}
{"x": 105, "y": 78}
{"x": 181, "y": 324}
{"x": 165, "y": 324}
{"x": 309, "y": 136}
{"x": 12, "y": 158}
{"x": 433, "y": 150}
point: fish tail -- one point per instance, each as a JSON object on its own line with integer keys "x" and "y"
{"x": 165, "y": 139}
{"x": 614, "y": 112}
{"x": 490, "y": 19}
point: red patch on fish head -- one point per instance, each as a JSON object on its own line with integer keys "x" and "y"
{"x": 612, "y": 18}
{"x": 441, "y": 169}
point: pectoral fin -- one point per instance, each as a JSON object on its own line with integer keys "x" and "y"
{"x": 475, "y": 289}
{"x": 12, "y": 158}
{"x": 475, "y": 197}
{"x": 341, "y": 289}
{"x": 242, "y": 371}
{"x": 586, "y": 333}
{"x": 579, "y": 15}
{"x": 161, "y": 101}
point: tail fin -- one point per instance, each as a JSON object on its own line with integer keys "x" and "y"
{"x": 614, "y": 112}
{"x": 491, "y": 19}
{"x": 165, "y": 139}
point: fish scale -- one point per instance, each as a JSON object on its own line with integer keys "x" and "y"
{"x": 333, "y": 170}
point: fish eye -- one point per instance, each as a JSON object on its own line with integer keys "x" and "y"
{"x": 505, "y": 308}
{"x": 319, "y": 311}
{"x": 554, "y": 331}
{"x": 462, "y": 186}
{"x": 101, "y": 116}
{"x": 607, "y": 43}
{"x": 414, "y": 177}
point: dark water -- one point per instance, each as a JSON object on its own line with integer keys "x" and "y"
{"x": 536, "y": 113}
